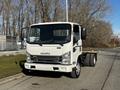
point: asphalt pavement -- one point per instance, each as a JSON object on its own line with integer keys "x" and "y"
{"x": 104, "y": 76}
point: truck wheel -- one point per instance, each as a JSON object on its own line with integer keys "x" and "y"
{"x": 27, "y": 72}
{"x": 93, "y": 60}
{"x": 87, "y": 60}
{"x": 76, "y": 71}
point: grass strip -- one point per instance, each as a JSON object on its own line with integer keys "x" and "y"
{"x": 11, "y": 65}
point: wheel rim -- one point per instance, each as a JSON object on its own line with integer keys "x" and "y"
{"x": 94, "y": 60}
{"x": 78, "y": 69}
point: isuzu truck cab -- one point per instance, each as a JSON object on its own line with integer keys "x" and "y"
{"x": 57, "y": 47}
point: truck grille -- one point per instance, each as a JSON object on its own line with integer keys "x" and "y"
{"x": 46, "y": 59}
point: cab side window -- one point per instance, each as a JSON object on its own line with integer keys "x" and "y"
{"x": 76, "y": 36}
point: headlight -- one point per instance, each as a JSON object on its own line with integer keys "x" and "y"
{"x": 28, "y": 58}
{"x": 66, "y": 58}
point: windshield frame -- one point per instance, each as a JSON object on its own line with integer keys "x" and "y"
{"x": 68, "y": 26}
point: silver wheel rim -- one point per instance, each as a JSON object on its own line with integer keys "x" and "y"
{"x": 77, "y": 68}
{"x": 94, "y": 61}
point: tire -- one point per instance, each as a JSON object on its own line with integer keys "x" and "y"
{"x": 76, "y": 71}
{"x": 87, "y": 60}
{"x": 27, "y": 72}
{"x": 93, "y": 60}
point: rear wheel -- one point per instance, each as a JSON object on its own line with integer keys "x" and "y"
{"x": 87, "y": 60}
{"x": 76, "y": 71}
{"x": 93, "y": 60}
{"x": 90, "y": 60}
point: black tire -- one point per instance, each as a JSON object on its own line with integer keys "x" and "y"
{"x": 90, "y": 60}
{"x": 87, "y": 60}
{"x": 27, "y": 72}
{"x": 93, "y": 60}
{"x": 76, "y": 71}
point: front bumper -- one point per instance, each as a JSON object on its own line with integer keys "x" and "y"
{"x": 49, "y": 67}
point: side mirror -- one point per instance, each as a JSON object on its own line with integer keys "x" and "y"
{"x": 83, "y": 33}
{"x": 23, "y": 36}
{"x": 24, "y": 32}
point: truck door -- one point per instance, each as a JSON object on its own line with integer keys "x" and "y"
{"x": 76, "y": 42}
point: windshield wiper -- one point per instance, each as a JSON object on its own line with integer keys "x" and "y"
{"x": 38, "y": 42}
{"x": 61, "y": 44}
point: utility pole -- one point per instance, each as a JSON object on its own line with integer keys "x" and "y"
{"x": 66, "y": 10}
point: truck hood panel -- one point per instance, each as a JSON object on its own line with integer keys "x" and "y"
{"x": 48, "y": 50}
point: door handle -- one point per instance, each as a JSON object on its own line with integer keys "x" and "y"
{"x": 74, "y": 49}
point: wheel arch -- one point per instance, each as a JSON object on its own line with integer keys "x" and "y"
{"x": 80, "y": 59}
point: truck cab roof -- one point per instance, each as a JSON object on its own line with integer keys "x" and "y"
{"x": 54, "y": 23}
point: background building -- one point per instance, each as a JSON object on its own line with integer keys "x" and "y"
{"x": 8, "y": 43}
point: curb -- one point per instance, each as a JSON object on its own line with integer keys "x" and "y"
{"x": 11, "y": 78}
{"x": 7, "y": 53}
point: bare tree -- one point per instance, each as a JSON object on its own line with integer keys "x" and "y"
{"x": 56, "y": 11}
{"x": 88, "y": 13}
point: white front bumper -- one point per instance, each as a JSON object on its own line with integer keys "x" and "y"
{"x": 49, "y": 67}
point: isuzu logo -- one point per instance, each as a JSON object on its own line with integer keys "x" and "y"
{"x": 46, "y": 53}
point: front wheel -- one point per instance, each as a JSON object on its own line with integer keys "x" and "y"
{"x": 76, "y": 71}
{"x": 27, "y": 72}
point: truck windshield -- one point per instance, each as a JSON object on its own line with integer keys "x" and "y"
{"x": 49, "y": 34}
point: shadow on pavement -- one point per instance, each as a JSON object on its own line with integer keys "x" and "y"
{"x": 43, "y": 74}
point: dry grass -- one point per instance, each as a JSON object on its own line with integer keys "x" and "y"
{"x": 10, "y": 65}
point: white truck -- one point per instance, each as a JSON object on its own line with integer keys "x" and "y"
{"x": 57, "y": 47}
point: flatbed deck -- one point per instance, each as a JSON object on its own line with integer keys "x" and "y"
{"x": 92, "y": 52}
